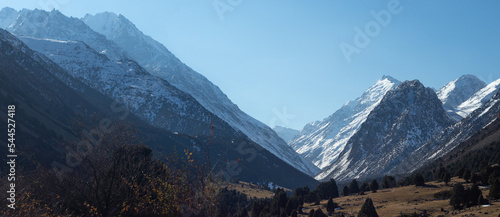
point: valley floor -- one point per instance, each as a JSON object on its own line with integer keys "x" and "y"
{"x": 409, "y": 199}
{"x": 392, "y": 202}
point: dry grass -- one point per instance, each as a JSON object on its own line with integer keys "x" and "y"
{"x": 389, "y": 202}
{"x": 251, "y": 190}
{"x": 392, "y": 202}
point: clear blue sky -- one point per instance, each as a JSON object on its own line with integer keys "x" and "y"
{"x": 271, "y": 56}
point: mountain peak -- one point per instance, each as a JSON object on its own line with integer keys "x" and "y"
{"x": 159, "y": 61}
{"x": 323, "y": 141}
{"x": 478, "y": 99}
{"x": 106, "y": 21}
{"x": 105, "y": 17}
{"x": 7, "y": 10}
{"x": 407, "y": 117}
{"x": 456, "y": 92}
{"x": 390, "y": 78}
{"x": 469, "y": 76}
{"x": 286, "y": 133}
{"x": 413, "y": 83}
{"x": 55, "y": 25}
{"x": 7, "y": 17}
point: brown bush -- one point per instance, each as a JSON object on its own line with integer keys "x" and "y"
{"x": 118, "y": 176}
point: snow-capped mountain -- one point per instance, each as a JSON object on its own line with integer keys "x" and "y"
{"x": 55, "y": 25}
{"x": 322, "y": 142}
{"x": 406, "y": 118}
{"x": 159, "y": 61}
{"x": 478, "y": 99}
{"x": 451, "y": 137}
{"x": 458, "y": 91}
{"x": 7, "y": 17}
{"x": 149, "y": 97}
{"x": 49, "y": 97}
{"x": 285, "y": 133}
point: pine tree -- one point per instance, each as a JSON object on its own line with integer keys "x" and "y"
{"x": 257, "y": 207}
{"x": 301, "y": 191}
{"x": 289, "y": 207}
{"x": 267, "y": 212}
{"x": 242, "y": 212}
{"x": 319, "y": 213}
{"x": 311, "y": 213}
{"x": 300, "y": 209}
{"x": 446, "y": 178}
{"x": 467, "y": 174}
{"x": 389, "y": 182}
{"x": 326, "y": 190}
{"x": 492, "y": 177}
{"x": 368, "y": 210}
{"x": 317, "y": 201}
{"x": 475, "y": 178}
{"x": 330, "y": 206}
{"x": 495, "y": 190}
{"x": 374, "y": 186}
{"x": 460, "y": 172}
{"x": 279, "y": 200}
{"x": 472, "y": 194}
{"x": 483, "y": 164}
{"x": 364, "y": 187}
{"x": 480, "y": 200}
{"x": 345, "y": 191}
{"x": 354, "y": 187}
{"x": 406, "y": 181}
{"x": 294, "y": 213}
{"x": 457, "y": 199}
{"x": 418, "y": 180}
{"x": 441, "y": 173}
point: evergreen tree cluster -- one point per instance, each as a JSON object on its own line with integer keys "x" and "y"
{"x": 463, "y": 161}
{"x": 283, "y": 205}
{"x": 418, "y": 180}
{"x": 444, "y": 175}
{"x": 279, "y": 205}
{"x": 327, "y": 190}
{"x": 389, "y": 182}
{"x": 232, "y": 203}
{"x": 463, "y": 198}
{"x": 317, "y": 213}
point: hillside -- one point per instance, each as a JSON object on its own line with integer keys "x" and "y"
{"x": 482, "y": 147}
{"x": 408, "y": 116}
{"x": 45, "y": 125}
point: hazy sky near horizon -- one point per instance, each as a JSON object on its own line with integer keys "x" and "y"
{"x": 283, "y": 62}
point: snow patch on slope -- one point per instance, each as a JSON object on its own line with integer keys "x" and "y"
{"x": 322, "y": 142}
{"x": 478, "y": 99}
{"x": 406, "y": 118}
{"x": 159, "y": 61}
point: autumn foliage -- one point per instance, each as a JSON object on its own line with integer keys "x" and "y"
{"x": 119, "y": 177}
